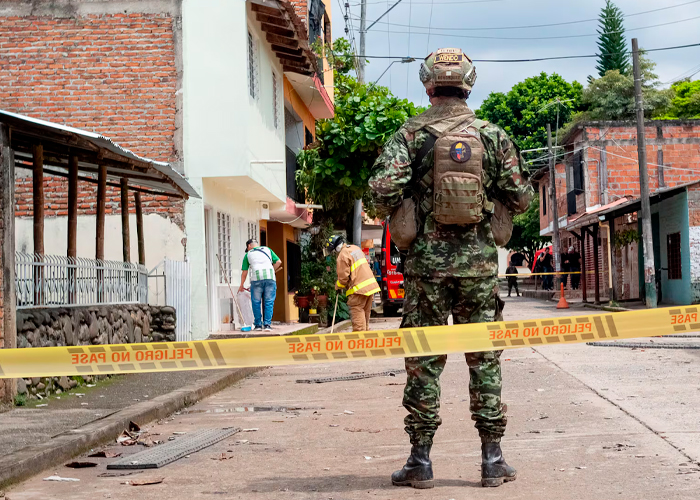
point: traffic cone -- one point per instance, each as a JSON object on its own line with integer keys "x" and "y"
{"x": 563, "y": 304}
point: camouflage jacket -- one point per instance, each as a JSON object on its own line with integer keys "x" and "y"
{"x": 449, "y": 251}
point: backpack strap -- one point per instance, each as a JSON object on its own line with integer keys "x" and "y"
{"x": 488, "y": 189}
{"x": 260, "y": 249}
{"x": 417, "y": 169}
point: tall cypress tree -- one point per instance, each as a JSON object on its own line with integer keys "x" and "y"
{"x": 612, "y": 45}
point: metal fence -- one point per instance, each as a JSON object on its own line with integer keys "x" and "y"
{"x": 177, "y": 295}
{"x": 170, "y": 286}
{"x": 56, "y": 280}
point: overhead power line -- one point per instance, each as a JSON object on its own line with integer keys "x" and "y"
{"x": 456, "y": 2}
{"x": 537, "y": 59}
{"x": 520, "y": 27}
{"x": 557, "y": 37}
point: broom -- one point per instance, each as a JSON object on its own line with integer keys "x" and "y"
{"x": 244, "y": 328}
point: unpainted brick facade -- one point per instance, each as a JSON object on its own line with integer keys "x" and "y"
{"x": 610, "y": 173}
{"x": 611, "y": 166}
{"x": 113, "y": 74}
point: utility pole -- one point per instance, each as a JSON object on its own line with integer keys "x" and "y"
{"x": 553, "y": 204}
{"x": 648, "y": 238}
{"x": 363, "y": 32}
{"x": 357, "y": 212}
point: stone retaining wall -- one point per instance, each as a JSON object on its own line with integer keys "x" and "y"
{"x": 88, "y": 325}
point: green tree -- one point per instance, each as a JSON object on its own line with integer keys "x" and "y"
{"x": 336, "y": 170}
{"x": 526, "y": 232}
{"x": 612, "y": 46}
{"x": 530, "y": 105}
{"x": 611, "y": 97}
{"x": 686, "y": 101}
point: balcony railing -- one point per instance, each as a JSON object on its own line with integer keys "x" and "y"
{"x": 54, "y": 280}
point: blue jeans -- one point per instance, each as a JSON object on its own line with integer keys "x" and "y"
{"x": 262, "y": 295}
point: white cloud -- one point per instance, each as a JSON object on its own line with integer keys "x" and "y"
{"x": 403, "y": 78}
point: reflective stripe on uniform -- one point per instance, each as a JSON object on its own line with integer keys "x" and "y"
{"x": 362, "y": 285}
{"x": 339, "y": 284}
{"x": 358, "y": 263}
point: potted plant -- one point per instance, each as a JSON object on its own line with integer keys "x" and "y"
{"x": 304, "y": 294}
{"x": 313, "y": 305}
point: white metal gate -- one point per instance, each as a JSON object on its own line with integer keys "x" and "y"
{"x": 177, "y": 295}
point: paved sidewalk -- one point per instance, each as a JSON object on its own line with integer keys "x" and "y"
{"x": 32, "y": 424}
{"x": 585, "y": 423}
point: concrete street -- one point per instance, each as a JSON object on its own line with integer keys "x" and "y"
{"x": 584, "y": 423}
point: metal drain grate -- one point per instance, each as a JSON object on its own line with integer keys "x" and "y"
{"x": 159, "y": 456}
{"x": 357, "y": 376}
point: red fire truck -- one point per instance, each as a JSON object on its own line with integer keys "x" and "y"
{"x": 392, "y": 281}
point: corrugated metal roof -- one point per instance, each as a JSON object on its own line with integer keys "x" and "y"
{"x": 103, "y": 142}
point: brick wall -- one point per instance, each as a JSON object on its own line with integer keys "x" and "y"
{"x": 56, "y": 200}
{"x": 112, "y": 74}
{"x": 543, "y": 183}
{"x": 301, "y": 8}
{"x": 679, "y": 159}
{"x": 676, "y": 145}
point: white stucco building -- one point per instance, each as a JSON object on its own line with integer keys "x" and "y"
{"x": 251, "y": 96}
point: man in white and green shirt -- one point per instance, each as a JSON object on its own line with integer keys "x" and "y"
{"x": 261, "y": 264}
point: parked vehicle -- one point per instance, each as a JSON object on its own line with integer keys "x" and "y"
{"x": 392, "y": 280}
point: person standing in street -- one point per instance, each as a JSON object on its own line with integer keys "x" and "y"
{"x": 260, "y": 264}
{"x": 455, "y": 168}
{"x": 574, "y": 259}
{"x": 512, "y": 280}
{"x": 565, "y": 268}
{"x": 356, "y": 278}
{"x": 546, "y": 261}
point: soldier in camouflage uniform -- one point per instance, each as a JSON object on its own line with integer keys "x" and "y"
{"x": 450, "y": 269}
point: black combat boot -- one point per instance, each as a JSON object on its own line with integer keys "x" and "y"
{"x": 418, "y": 471}
{"x": 494, "y": 469}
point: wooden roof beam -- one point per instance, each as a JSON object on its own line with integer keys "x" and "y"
{"x": 271, "y": 11}
{"x": 270, "y": 19}
{"x": 289, "y": 57}
{"x": 286, "y": 50}
{"x": 276, "y": 30}
{"x": 283, "y": 41}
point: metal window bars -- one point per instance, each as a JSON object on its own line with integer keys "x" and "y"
{"x": 56, "y": 280}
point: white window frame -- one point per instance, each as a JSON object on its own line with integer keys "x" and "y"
{"x": 276, "y": 101}
{"x": 253, "y": 231}
{"x": 253, "y": 67}
{"x": 223, "y": 245}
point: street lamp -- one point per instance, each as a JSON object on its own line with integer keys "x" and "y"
{"x": 403, "y": 60}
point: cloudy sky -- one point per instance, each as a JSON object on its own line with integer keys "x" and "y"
{"x": 416, "y": 27}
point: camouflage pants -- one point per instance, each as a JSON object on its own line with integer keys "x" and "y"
{"x": 429, "y": 302}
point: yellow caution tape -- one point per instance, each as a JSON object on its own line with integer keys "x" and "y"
{"x": 527, "y": 275}
{"x": 271, "y": 351}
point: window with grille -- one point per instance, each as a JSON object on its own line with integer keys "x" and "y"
{"x": 253, "y": 231}
{"x": 275, "y": 101}
{"x": 252, "y": 66}
{"x": 223, "y": 227}
{"x": 673, "y": 242}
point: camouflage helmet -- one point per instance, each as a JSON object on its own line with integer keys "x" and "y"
{"x": 448, "y": 68}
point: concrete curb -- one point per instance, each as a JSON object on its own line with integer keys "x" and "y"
{"x": 34, "y": 459}
{"x": 337, "y": 328}
{"x": 308, "y": 330}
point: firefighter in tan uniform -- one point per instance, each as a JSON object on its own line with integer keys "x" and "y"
{"x": 356, "y": 278}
